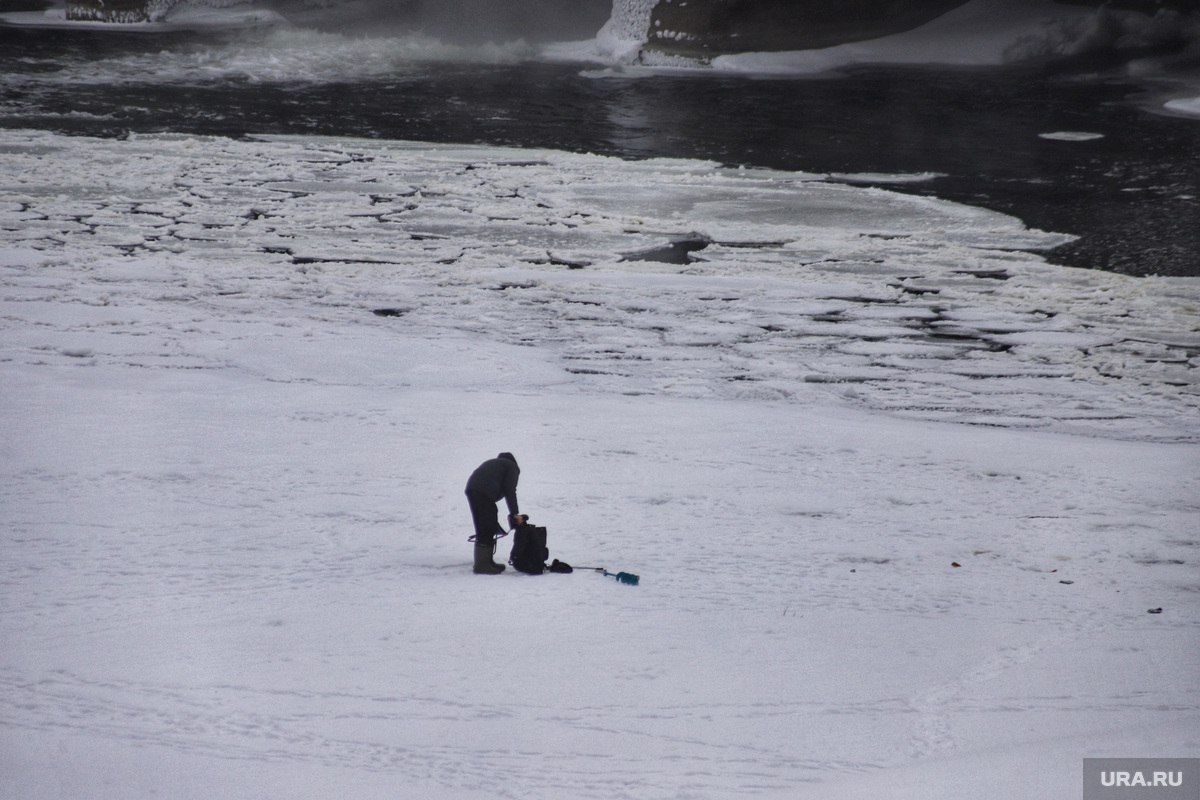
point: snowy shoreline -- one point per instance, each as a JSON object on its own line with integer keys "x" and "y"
{"x": 185, "y": 18}
{"x": 901, "y": 493}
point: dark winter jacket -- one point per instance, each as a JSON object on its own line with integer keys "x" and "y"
{"x": 497, "y": 478}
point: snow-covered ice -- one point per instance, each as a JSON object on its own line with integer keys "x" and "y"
{"x": 1185, "y": 106}
{"x": 1072, "y": 136}
{"x": 977, "y": 33}
{"x": 901, "y": 492}
{"x": 980, "y": 33}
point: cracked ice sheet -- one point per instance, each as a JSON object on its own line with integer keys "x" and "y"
{"x": 791, "y": 287}
{"x": 234, "y": 536}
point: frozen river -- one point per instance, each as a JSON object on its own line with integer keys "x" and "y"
{"x": 913, "y": 505}
{"x": 1127, "y": 187}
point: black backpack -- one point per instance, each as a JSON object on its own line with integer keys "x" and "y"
{"x": 529, "y": 552}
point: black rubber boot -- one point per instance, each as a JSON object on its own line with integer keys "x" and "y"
{"x": 483, "y": 558}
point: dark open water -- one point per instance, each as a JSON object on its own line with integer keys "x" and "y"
{"x": 1132, "y": 196}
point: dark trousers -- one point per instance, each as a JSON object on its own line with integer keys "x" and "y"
{"x": 485, "y": 516}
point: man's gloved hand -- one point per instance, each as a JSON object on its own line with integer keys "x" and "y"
{"x": 517, "y": 519}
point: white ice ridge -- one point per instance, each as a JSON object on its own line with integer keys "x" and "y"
{"x": 160, "y": 8}
{"x": 663, "y": 277}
